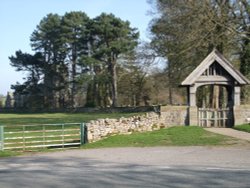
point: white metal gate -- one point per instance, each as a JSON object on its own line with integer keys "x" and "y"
{"x": 45, "y": 136}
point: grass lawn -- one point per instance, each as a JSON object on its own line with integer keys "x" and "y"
{"x": 8, "y": 154}
{"x": 52, "y": 118}
{"x": 174, "y": 136}
{"x": 245, "y": 128}
{"x": 49, "y": 118}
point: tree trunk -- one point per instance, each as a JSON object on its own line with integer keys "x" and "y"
{"x": 170, "y": 91}
{"x": 73, "y": 89}
{"x": 90, "y": 100}
{"x": 112, "y": 70}
{"x": 214, "y": 96}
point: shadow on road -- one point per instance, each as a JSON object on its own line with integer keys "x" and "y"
{"x": 81, "y": 172}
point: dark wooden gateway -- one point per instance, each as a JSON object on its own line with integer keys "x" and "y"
{"x": 214, "y": 70}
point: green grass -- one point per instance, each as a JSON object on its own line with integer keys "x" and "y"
{"x": 8, "y": 154}
{"x": 245, "y": 128}
{"x": 50, "y": 118}
{"x": 174, "y": 136}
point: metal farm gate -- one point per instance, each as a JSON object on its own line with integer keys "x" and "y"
{"x": 45, "y": 136}
{"x": 209, "y": 117}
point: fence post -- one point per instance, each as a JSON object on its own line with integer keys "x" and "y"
{"x": 83, "y": 133}
{"x": 1, "y": 138}
{"x": 63, "y": 132}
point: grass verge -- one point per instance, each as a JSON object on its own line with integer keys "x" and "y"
{"x": 51, "y": 118}
{"x": 174, "y": 136}
{"x": 245, "y": 128}
{"x": 8, "y": 154}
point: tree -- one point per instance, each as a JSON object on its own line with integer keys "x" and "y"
{"x": 135, "y": 72}
{"x": 33, "y": 65}
{"x": 2, "y": 99}
{"x": 112, "y": 37}
{"x": 186, "y": 31}
{"x": 47, "y": 39}
{"x": 79, "y": 53}
{"x": 75, "y": 33}
{"x": 244, "y": 16}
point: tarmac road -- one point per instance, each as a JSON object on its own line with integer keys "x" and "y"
{"x": 130, "y": 167}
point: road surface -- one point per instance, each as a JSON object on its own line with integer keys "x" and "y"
{"x": 155, "y": 167}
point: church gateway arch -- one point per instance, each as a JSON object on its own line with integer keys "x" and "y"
{"x": 213, "y": 73}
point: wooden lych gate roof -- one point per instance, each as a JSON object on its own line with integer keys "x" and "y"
{"x": 222, "y": 68}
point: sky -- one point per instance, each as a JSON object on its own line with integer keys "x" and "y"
{"x": 19, "y": 18}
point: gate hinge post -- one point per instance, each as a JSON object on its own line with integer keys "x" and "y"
{"x": 1, "y": 138}
{"x": 83, "y": 133}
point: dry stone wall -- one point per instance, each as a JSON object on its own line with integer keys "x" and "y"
{"x": 166, "y": 117}
{"x": 102, "y": 128}
{"x": 241, "y": 114}
{"x": 174, "y": 115}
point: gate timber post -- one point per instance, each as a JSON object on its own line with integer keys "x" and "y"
{"x": 83, "y": 133}
{"x": 193, "y": 115}
{"x": 1, "y": 138}
{"x": 192, "y": 96}
{"x": 193, "y": 110}
{"x": 236, "y": 95}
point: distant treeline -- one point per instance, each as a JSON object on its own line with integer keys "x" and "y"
{"x": 100, "y": 62}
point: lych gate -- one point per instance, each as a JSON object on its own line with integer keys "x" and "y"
{"x": 214, "y": 72}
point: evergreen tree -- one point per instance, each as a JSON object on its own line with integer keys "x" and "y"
{"x": 33, "y": 65}
{"x": 75, "y": 33}
{"x": 47, "y": 39}
{"x": 76, "y": 51}
{"x": 112, "y": 37}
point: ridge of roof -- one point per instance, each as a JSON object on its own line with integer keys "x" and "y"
{"x": 215, "y": 55}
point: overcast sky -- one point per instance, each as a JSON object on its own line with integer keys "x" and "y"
{"x": 19, "y": 18}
